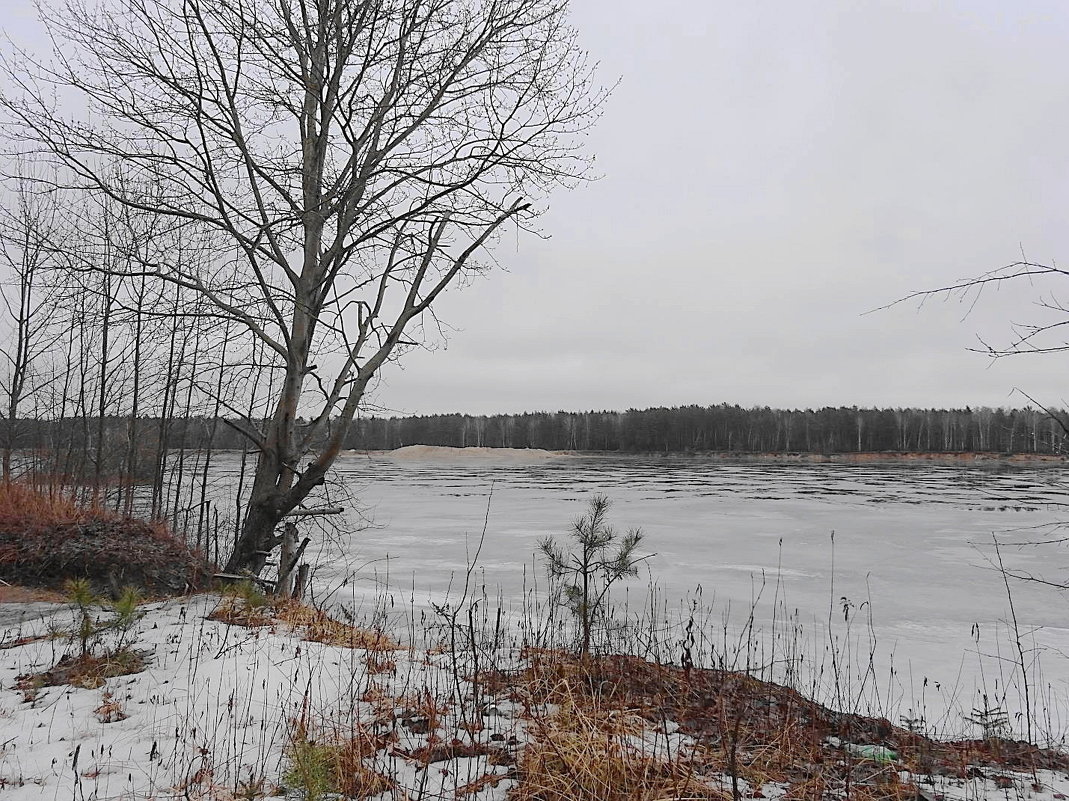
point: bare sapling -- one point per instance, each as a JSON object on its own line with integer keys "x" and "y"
{"x": 600, "y": 559}
{"x": 1022, "y": 662}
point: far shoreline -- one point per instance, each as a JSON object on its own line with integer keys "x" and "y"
{"x": 963, "y": 459}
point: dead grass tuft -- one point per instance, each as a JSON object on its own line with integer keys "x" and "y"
{"x": 47, "y": 537}
{"x": 456, "y": 749}
{"x": 477, "y": 785}
{"x": 316, "y": 625}
{"x": 88, "y": 671}
{"x": 245, "y": 607}
{"x": 22, "y": 505}
{"x": 582, "y": 752}
{"x": 242, "y": 608}
{"x": 378, "y": 663}
{"x": 234, "y": 612}
{"x": 110, "y": 709}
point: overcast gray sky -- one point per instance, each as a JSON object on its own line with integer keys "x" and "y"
{"x": 771, "y": 171}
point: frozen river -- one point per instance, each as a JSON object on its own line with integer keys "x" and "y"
{"x": 913, "y": 540}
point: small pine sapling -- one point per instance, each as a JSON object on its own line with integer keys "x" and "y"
{"x": 127, "y": 614}
{"x": 991, "y": 718}
{"x": 311, "y": 769}
{"x": 94, "y": 662}
{"x": 82, "y": 598}
{"x": 600, "y": 559}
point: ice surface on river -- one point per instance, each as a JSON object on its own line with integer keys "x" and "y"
{"x": 914, "y": 540}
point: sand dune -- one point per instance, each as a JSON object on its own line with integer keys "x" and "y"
{"x": 438, "y": 453}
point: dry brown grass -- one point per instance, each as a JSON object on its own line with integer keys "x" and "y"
{"x": 585, "y": 751}
{"x": 23, "y": 506}
{"x": 820, "y": 787}
{"x": 307, "y": 622}
{"x": 201, "y": 785}
{"x": 479, "y": 784}
{"x": 88, "y": 671}
{"x": 589, "y": 747}
{"x": 236, "y": 612}
{"x": 110, "y": 710}
{"x": 316, "y": 625}
{"x": 17, "y": 594}
{"x": 377, "y": 663}
{"x": 47, "y": 537}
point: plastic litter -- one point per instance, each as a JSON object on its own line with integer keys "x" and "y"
{"x": 875, "y": 753}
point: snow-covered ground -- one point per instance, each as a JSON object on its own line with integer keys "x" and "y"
{"x": 215, "y": 712}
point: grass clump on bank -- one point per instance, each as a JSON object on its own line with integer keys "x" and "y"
{"x": 245, "y": 604}
{"x": 587, "y": 751}
{"x": 46, "y": 539}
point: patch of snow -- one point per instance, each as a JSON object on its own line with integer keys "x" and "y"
{"x": 214, "y": 713}
{"x": 991, "y": 783}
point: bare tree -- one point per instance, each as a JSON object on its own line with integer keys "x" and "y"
{"x": 29, "y": 227}
{"x": 1028, "y": 337}
{"x": 356, "y": 157}
{"x": 1045, "y": 334}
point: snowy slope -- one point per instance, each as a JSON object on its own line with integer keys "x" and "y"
{"x": 215, "y": 712}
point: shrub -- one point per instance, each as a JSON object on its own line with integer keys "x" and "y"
{"x": 334, "y": 765}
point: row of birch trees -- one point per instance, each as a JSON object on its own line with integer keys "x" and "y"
{"x": 101, "y": 367}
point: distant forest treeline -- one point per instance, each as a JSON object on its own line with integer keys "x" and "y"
{"x": 732, "y": 429}
{"x": 723, "y": 427}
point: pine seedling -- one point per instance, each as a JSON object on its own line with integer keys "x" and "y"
{"x": 248, "y": 594}
{"x": 311, "y": 769}
{"x": 127, "y": 614}
{"x": 82, "y": 598}
{"x": 600, "y": 559}
{"x": 991, "y": 718}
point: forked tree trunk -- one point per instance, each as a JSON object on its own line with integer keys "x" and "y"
{"x": 257, "y": 538}
{"x": 272, "y": 493}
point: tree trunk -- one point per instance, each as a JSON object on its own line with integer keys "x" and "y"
{"x": 257, "y": 538}
{"x": 286, "y": 566}
{"x": 9, "y": 444}
{"x": 269, "y": 499}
